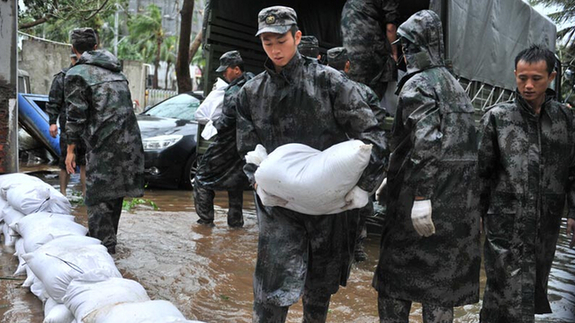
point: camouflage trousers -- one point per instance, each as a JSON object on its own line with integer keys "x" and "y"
{"x": 103, "y": 219}
{"x": 392, "y": 310}
{"x": 204, "y": 204}
{"x": 315, "y": 308}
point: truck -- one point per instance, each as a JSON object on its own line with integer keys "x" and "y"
{"x": 481, "y": 40}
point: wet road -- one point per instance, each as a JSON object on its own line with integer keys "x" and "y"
{"x": 207, "y": 272}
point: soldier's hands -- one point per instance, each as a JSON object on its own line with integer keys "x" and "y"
{"x": 53, "y": 130}
{"x": 421, "y": 218}
{"x": 71, "y": 163}
{"x": 571, "y": 231}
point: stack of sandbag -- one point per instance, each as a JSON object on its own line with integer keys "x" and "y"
{"x": 309, "y": 181}
{"x": 71, "y": 273}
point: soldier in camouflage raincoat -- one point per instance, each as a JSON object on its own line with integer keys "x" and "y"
{"x": 99, "y": 113}
{"x": 56, "y": 110}
{"x": 337, "y": 58}
{"x": 526, "y": 166}
{"x": 367, "y": 29}
{"x": 298, "y": 100}
{"x": 221, "y": 167}
{"x": 433, "y": 162}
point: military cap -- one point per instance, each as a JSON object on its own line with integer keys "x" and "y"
{"x": 83, "y": 35}
{"x": 308, "y": 42}
{"x": 337, "y": 55}
{"x": 231, "y": 58}
{"x": 276, "y": 19}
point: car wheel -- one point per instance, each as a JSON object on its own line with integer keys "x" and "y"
{"x": 190, "y": 173}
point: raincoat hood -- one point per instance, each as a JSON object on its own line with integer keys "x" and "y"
{"x": 101, "y": 58}
{"x": 423, "y": 30}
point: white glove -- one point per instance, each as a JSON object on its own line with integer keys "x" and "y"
{"x": 380, "y": 189}
{"x": 257, "y": 155}
{"x": 421, "y": 218}
{"x": 268, "y": 199}
{"x": 355, "y": 199}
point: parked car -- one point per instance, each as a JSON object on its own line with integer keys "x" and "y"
{"x": 169, "y": 132}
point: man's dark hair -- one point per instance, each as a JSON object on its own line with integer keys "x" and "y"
{"x": 338, "y": 65}
{"x": 537, "y": 53}
{"x": 293, "y": 30}
{"x": 240, "y": 65}
{"x": 84, "y": 39}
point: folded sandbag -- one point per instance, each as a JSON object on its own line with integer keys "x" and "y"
{"x": 157, "y": 311}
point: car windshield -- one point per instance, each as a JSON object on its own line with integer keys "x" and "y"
{"x": 181, "y": 106}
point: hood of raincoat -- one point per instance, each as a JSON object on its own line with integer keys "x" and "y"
{"x": 425, "y": 33}
{"x": 101, "y": 58}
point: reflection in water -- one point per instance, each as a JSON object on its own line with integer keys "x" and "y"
{"x": 207, "y": 272}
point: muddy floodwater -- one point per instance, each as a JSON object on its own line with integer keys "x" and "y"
{"x": 207, "y": 272}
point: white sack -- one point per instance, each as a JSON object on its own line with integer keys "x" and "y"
{"x": 30, "y": 277}
{"x": 29, "y": 198}
{"x": 38, "y": 289}
{"x": 9, "y": 235}
{"x": 11, "y": 215}
{"x": 39, "y": 228}
{"x": 56, "y": 264}
{"x": 157, "y": 311}
{"x": 8, "y": 180}
{"x": 211, "y": 109}
{"x": 312, "y": 181}
{"x": 3, "y": 204}
{"x": 19, "y": 246}
{"x": 83, "y": 297}
{"x": 58, "y": 202}
{"x": 56, "y": 313}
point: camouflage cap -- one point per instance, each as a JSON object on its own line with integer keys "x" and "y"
{"x": 337, "y": 55}
{"x": 231, "y": 58}
{"x": 276, "y": 19}
{"x": 83, "y": 35}
{"x": 309, "y": 42}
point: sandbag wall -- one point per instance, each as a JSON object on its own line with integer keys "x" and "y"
{"x": 72, "y": 274}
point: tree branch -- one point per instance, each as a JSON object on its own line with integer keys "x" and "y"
{"x": 34, "y": 23}
{"x": 99, "y": 9}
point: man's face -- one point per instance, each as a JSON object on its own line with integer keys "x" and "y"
{"x": 230, "y": 74}
{"x": 533, "y": 80}
{"x": 280, "y": 48}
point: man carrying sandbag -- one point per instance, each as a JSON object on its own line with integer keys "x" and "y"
{"x": 221, "y": 168}
{"x": 298, "y": 100}
{"x": 430, "y": 241}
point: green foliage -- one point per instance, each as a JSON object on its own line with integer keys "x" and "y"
{"x": 128, "y": 205}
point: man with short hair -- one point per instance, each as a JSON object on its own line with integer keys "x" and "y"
{"x": 527, "y": 170}
{"x": 309, "y": 46}
{"x": 298, "y": 100}
{"x": 56, "y": 110}
{"x": 221, "y": 167}
{"x": 429, "y": 249}
{"x": 99, "y": 113}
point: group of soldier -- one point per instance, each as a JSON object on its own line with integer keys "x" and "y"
{"x": 445, "y": 180}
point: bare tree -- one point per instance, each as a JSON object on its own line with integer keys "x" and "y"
{"x": 182, "y": 62}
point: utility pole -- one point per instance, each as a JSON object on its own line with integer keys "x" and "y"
{"x": 8, "y": 88}
{"x": 116, "y": 18}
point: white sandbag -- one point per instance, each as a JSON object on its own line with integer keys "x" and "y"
{"x": 9, "y": 235}
{"x": 3, "y": 204}
{"x": 11, "y": 215}
{"x": 84, "y": 297}
{"x": 38, "y": 289}
{"x": 39, "y": 228}
{"x": 29, "y": 198}
{"x": 157, "y": 311}
{"x": 56, "y": 264}
{"x": 58, "y": 202}
{"x": 30, "y": 277}
{"x": 8, "y": 180}
{"x": 19, "y": 247}
{"x": 55, "y": 312}
{"x": 312, "y": 181}
{"x": 211, "y": 107}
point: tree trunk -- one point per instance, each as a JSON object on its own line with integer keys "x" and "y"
{"x": 157, "y": 63}
{"x": 167, "y": 75}
{"x": 195, "y": 46}
{"x": 182, "y": 65}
